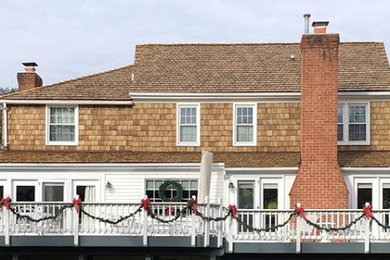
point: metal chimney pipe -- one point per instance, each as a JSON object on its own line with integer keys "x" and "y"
{"x": 306, "y": 28}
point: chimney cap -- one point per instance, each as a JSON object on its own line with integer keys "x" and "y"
{"x": 320, "y": 24}
{"x": 30, "y": 64}
{"x": 306, "y": 15}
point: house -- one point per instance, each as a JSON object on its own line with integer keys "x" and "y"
{"x": 282, "y": 123}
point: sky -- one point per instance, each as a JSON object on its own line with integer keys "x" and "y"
{"x": 75, "y": 38}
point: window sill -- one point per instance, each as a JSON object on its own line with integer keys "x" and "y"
{"x": 244, "y": 144}
{"x": 62, "y": 143}
{"x": 354, "y": 143}
{"x": 187, "y": 144}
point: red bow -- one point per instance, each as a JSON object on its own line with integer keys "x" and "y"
{"x": 76, "y": 205}
{"x": 233, "y": 210}
{"x": 193, "y": 206}
{"x": 367, "y": 210}
{"x": 301, "y": 212}
{"x": 5, "y": 202}
{"x": 145, "y": 204}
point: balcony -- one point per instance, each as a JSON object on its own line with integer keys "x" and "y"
{"x": 175, "y": 225}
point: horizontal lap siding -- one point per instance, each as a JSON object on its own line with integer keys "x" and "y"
{"x": 131, "y": 187}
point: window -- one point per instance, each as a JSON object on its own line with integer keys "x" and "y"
{"x": 244, "y": 128}
{"x": 62, "y": 125}
{"x": 53, "y": 192}
{"x": 270, "y": 201}
{"x": 1, "y": 191}
{"x": 245, "y": 195}
{"x": 25, "y": 193}
{"x": 364, "y": 194}
{"x": 190, "y": 188}
{"x": 353, "y": 124}
{"x": 188, "y": 126}
{"x": 246, "y": 201}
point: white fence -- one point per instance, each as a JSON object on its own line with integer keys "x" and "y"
{"x": 164, "y": 219}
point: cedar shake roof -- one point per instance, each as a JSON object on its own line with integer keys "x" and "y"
{"x": 231, "y": 159}
{"x": 219, "y": 68}
{"x": 109, "y": 85}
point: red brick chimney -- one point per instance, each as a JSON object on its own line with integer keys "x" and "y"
{"x": 29, "y": 79}
{"x": 319, "y": 182}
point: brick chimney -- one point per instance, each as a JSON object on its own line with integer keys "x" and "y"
{"x": 319, "y": 182}
{"x": 29, "y": 79}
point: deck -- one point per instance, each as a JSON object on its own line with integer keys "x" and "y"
{"x": 174, "y": 225}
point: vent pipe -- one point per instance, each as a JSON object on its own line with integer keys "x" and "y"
{"x": 306, "y": 28}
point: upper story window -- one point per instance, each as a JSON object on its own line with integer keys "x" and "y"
{"x": 244, "y": 125}
{"x": 188, "y": 125}
{"x": 353, "y": 124}
{"x": 61, "y": 125}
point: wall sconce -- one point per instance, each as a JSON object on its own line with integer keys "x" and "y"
{"x": 231, "y": 185}
{"x": 108, "y": 185}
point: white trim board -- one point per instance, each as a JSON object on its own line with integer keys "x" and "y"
{"x": 68, "y": 102}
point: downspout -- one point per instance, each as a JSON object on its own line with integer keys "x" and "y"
{"x": 5, "y": 125}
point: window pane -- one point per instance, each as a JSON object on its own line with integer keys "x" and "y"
{"x": 194, "y": 185}
{"x": 245, "y": 133}
{"x": 188, "y": 134}
{"x": 245, "y": 195}
{"x": 270, "y": 200}
{"x": 340, "y": 132}
{"x": 364, "y": 194}
{"x": 357, "y": 132}
{"x": 357, "y": 114}
{"x": 1, "y": 191}
{"x": 149, "y": 185}
{"x": 54, "y": 193}
{"x": 62, "y": 133}
{"x": 25, "y": 193}
{"x": 386, "y": 197}
{"x": 340, "y": 114}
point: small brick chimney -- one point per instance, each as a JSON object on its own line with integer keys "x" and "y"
{"x": 29, "y": 79}
{"x": 319, "y": 182}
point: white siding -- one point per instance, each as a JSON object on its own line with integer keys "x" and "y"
{"x": 130, "y": 187}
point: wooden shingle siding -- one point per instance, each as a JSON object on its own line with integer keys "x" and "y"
{"x": 152, "y": 127}
{"x": 380, "y": 129}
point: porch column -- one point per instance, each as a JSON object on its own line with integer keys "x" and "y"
{"x": 205, "y": 176}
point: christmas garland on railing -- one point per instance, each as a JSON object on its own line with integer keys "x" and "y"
{"x": 366, "y": 213}
{"x": 37, "y": 220}
{"x": 109, "y": 221}
{"x": 191, "y": 208}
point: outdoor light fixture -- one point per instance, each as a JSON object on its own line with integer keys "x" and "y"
{"x": 231, "y": 185}
{"x": 108, "y": 185}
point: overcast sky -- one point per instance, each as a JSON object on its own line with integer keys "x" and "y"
{"x": 74, "y": 38}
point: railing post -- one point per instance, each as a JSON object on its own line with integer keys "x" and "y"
{"x": 220, "y": 223}
{"x": 368, "y": 232}
{"x": 230, "y": 234}
{"x": 76, "y": 224}
{"x": 145, "y": 225}
{"x": 298, "y": 231}
{"x": 7, "y": 225}
{"x": 193, "y": 226}
{"x": 207, "y": 223}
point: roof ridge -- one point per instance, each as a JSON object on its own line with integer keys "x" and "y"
{"x": 68, "y": 81}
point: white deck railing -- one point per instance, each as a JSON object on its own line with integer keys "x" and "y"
{"x": 259, "y": 223}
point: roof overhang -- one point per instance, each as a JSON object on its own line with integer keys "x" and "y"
{"x": 68, "y": 102}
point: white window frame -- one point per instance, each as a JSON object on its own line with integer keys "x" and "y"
{"x": 254, "y": 142}
{"x": 76, "y": 130}
{"x": 346, "y": 106}
{"x": 197, "y": 106}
